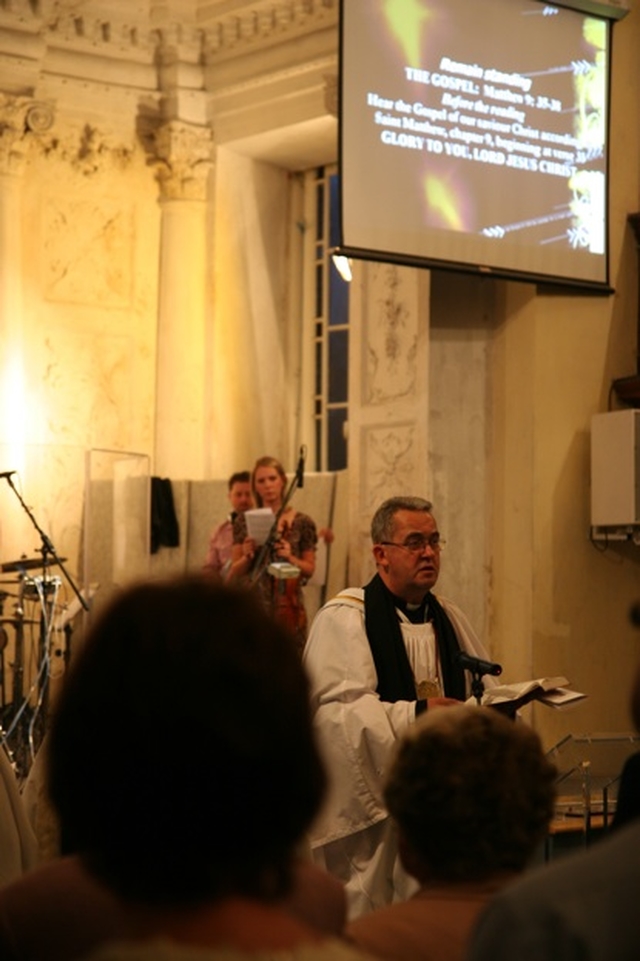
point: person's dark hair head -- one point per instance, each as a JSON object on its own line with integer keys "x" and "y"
{"x": 472, "y": 793}
{"x": 182, "y": 760}
{"x": 240, "y": 477}
{"x": 382, "y": 524}
{"x": 635, "y": 700}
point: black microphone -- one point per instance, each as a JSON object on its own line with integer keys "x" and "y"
{"x": 476, "y": 665}
{"x": 7, "y": 473}
{"x": 300, "y": 467}
{"x": 634, "y": 614}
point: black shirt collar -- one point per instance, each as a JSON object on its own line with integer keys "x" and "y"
{"x": 417, "y": 615}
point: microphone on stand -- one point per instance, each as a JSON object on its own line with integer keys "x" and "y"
{"x": 478, "y": 666}
{"x": 7, "y": 474}
{"x": 300, "y": 467}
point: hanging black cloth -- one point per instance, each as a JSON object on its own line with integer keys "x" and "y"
{"x": 165, "y": 531}
{"x": 395, "y": 677}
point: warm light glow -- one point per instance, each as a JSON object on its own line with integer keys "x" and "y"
{"x": 13, "y": 401}
{"x": 343, "y": 266}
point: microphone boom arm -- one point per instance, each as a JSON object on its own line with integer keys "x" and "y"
{"x": 47, "y": 546}
{"x": 477, "y": 668}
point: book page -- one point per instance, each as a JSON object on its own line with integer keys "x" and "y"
{"x": 561, "y": 697}
{"x": 552, "y": 691}
{"x": 501, "y": 693}
{"x": 259, "y": 523}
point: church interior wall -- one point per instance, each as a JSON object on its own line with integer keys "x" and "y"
{"x": 462, "y": 324}
{"x": 251, "y": 363}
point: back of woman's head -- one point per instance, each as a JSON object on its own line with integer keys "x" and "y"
{"x": 472, "y": 792}
{"x": 182, "y": 758}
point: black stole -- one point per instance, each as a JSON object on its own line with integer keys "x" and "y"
{"x": 395, "y": 677}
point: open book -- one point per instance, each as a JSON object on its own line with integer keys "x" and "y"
{"x": 552, "y": 691}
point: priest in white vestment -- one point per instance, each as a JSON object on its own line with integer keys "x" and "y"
{"x": 379, "y": 656}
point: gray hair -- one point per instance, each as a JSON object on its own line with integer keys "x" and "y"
{"x": 382, "y": 525}
{"x": 472, "y": 791}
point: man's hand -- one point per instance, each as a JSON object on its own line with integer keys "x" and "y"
{"x": 442, "y": 702}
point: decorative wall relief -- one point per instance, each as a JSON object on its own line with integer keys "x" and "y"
{"x": 389, "y": 463}
{"x": 87, "y": 251}
{"x": 391, "y": 338}
{"x": 20, "y": 119}
{"x": 183, "y": 160}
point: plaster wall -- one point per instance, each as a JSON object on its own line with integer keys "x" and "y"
{"x": 251, "y": 364}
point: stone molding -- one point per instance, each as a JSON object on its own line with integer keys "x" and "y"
{"x": 331, "y": 95}
{"x": 21, "y": 119}
{"x": 238, "y": 65}
{"x": 242, "y": 27}
{"x": 183, "y": 159}
{"x": 264, "y": 23}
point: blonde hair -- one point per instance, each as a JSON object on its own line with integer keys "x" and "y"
{"x": 267, "y": 462}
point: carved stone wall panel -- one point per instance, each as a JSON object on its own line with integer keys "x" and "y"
{"x": 85, "y": 389}
{"x": 87, "y": 251}
{"x": 91, "y": 250}
{"x": 389, "y": 311}
{"x": 389, "y": 462}
{"x": 391, "y": 339}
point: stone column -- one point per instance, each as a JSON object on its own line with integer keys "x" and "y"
{"x": 183, "y": 153}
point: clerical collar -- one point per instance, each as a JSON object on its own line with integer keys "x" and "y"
{"x": 417, "y": 613}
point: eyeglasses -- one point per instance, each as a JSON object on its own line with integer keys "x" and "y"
{"x": 416, "y": 543}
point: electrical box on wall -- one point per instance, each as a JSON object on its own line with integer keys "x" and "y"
{"x": 615, "y": 473}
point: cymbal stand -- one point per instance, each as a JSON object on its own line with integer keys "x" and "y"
{"x": 18, "y": 650}
{"x": 40, "y": 683}
{"x": 4, "y": 640}
{"x": 47, "y": 593}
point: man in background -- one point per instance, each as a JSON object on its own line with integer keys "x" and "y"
{"x": 221, "y": 541}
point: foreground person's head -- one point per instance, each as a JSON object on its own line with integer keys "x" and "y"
{"x": 182, "y": 760}
{"x": 472, "y": 794}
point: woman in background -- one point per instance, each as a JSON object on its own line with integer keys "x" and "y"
{"x": 294, "y": 542}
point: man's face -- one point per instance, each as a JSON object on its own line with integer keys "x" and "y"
{"x": 409, "y": 574}
{"x": 240, "y": 496}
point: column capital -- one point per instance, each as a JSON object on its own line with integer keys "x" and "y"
{"x": 21, "y": 118}
{"x": 183, "y": 158}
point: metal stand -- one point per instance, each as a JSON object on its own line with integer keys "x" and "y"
{"x": 46, "y": 550}
{"x": 477, "y": 668}
{"x": 477, "y": 685}
{"x": 26, "y": 722}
